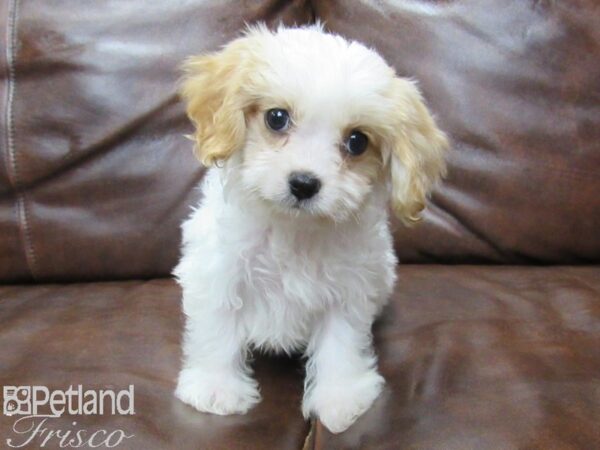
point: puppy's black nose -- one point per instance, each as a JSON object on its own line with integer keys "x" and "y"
{"x": 304, "y": 185}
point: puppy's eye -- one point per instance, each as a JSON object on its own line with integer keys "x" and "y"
{"x": 357, "y": 142}
{"x": 277, "y": 119}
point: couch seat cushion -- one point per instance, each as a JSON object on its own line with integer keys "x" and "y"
{"x": 474, "y": 357}
{"x": 113, "y": 334}
{"x": 485, "y": 358}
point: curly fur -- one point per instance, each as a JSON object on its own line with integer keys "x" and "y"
{"x": 262, "y": 271}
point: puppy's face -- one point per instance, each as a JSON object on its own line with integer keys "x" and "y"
{"x": 311, "y": 143}
{"x": 316, "y": 122}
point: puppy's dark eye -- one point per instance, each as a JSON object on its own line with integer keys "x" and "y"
{"x": 277, "y": 119}
{"x": 357, "y": 142}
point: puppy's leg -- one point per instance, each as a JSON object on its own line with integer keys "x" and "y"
{"x": 215, "y": 377}
{"x": 342, "y": 380}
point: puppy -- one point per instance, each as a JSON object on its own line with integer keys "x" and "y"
{"x": 310, "y": 137}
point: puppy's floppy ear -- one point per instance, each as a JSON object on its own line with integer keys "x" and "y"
{"x": 417, "y": 152}
{"x": 213, "y": 89}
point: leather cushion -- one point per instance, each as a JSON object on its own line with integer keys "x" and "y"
{"x": 474, "y": 357}
{"x": 96, "y": 174}
{"x": 516, "y": 85}
{"x": 485, "y": 358}
{"x": 114, "y": 334}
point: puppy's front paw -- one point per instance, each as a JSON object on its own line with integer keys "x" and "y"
{"x": 217, "y": 392}
{"x": 338, "y": 405}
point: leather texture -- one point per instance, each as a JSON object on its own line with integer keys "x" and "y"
{"x": 474, "y": 358}
{"x": 516, "y": 84}
{"x": 96, "y": 175}
{"x": 485, "y": 358}
{"x": 115, "y": 334}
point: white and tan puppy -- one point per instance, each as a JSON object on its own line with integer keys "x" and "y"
{"x": 310, "y": 137}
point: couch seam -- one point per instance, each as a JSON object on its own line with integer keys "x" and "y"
{"x": 309, "y": 439}
{"x": 313, "y": 11}
{"x": 6, "y": 139}
{"x": 12, "y": 166}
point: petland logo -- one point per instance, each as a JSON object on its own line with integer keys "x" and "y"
{"x": 38, "y": 405}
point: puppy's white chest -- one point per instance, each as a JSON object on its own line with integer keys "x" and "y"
{"x": 284, "y": 265}
{"x": 283, "y": 286}
{"x": 289, "y": 278}
{"x": 275, "y": 276}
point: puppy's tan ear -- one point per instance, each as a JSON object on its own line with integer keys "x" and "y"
{"x": 213, "y": 89}
{"x": 417, "y": 152}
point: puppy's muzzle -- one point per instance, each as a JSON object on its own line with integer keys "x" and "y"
{"x": 304, "y": 185}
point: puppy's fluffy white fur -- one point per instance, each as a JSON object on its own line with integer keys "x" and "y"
{"x": 262, "y": 270}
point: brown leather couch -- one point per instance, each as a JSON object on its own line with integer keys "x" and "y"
{"x": 492, "y": 338}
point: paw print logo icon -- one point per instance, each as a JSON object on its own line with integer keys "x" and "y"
{"x": 17, "y": 400}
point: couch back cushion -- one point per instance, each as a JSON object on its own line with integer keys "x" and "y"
{"x": 96, "y": 175}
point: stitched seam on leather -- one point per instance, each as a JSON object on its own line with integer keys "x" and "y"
{"x": 10, "y": 38}
{"x": 26, "y": 235}
{"x": 12, "y": 167}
